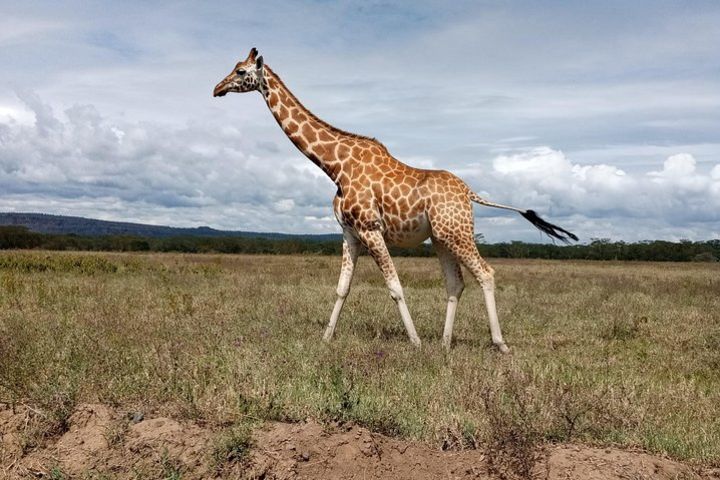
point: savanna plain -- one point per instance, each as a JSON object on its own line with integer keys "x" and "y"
{"x": 603, "y": 354}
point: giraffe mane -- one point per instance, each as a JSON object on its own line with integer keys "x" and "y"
{"x": 320, "y": 120}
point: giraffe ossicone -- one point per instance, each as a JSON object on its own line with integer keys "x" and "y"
{"x": 380, "y": 201}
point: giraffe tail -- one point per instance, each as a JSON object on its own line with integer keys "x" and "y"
{"x": 553, "y": 231}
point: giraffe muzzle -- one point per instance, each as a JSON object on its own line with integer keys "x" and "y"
{"x": 220, "y": 90}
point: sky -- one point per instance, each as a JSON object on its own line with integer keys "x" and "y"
{"x": 604, "y": 117}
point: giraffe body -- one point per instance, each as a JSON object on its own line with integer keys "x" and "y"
{"x": 408, "y": 209}
{"x": 380, "y": 201}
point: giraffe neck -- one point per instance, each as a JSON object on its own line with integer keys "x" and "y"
{"x": 316, "y": 139}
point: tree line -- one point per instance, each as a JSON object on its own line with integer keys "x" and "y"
{"x": 18, "y": 237}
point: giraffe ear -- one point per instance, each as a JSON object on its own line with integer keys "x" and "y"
{"x": 259, "y": 63}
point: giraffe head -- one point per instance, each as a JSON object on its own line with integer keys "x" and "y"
{"x": 245, "y": 77}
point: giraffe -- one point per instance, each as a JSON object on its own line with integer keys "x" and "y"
{"x": 380, "y": 201}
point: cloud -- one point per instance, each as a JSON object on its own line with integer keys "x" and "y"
{"x": 643, "y": 205}
{"x": 197, "y": 170}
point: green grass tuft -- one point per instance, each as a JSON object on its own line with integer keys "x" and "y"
{"x": 232, "y": 446}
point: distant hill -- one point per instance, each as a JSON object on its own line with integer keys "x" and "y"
{"x": 60, "y": 224}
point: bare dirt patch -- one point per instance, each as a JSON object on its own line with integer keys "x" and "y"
{"x": 101, "y": 442}
{"x": 310, "y": 450}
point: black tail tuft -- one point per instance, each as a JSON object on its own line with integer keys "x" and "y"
{"x": 548, "y": 228}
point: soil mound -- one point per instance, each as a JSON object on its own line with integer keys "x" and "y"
{"x": 98, "y": 440}
{"x": 311, "y": 451}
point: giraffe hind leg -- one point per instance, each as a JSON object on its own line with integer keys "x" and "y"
{"x": 465, "y": 250}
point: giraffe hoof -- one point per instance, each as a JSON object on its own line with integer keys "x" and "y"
{"x": 327, "y": 337}
{"x": 503, "y": 348}
{"x": 416, "y": 342}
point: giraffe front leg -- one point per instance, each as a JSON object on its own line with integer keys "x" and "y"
{"x": 373, "y": 240}
{"x": 453, "y": 284}
{"x": 351, "y": 249}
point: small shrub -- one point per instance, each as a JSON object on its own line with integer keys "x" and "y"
{"x": 460, "y": 435}
{"x": 115, "y": 433}
{"x": 513, "y": 436}
{"x": 233, "y": 445}
{"x": 46, "y": 422}
{"x": 622, "y": 329}
{"x": 171, "y": 468}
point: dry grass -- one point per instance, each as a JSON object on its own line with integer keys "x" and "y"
{"x": 606, "y": 353}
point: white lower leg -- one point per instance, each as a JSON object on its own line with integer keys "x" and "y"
{"x": 488, "y": 286}
{"x": 407, "y": 321}
{"x": 396, "y": 292}
{"x": 350, "y": 255}
{"x": 449, "y": 321}
{"x": 334, "y": 318}
{"x": 453, "y": 284}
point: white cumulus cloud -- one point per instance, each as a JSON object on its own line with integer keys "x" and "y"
{"x": 80, "y": 162}
{"x": 642, "y": 205}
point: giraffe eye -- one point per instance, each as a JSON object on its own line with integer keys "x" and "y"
{"x": 240, "y": 72}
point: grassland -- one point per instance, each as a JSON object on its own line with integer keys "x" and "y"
{"x": 603, "y": 353}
